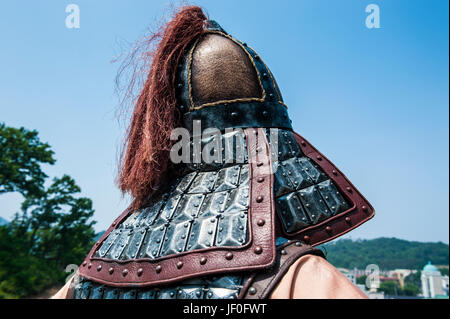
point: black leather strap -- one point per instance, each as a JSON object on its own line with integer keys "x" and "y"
{"x": 261, "y": 284}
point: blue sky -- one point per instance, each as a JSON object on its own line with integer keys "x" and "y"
{"x": 374, "y": 101}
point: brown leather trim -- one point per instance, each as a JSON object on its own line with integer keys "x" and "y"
{"x": 261, "y": 284}
{"x": 258, "y": 253}
{"x": 360, "y": 212}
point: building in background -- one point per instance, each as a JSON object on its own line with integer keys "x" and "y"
{"x": 434, "y": 285}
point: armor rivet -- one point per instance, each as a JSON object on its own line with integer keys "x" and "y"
{"x": 283, "y": 252}
{"x": 258, "y": 250}
{"x": 306, "y": 238}
{"x": 348, "y": 189}
{"x": 298, "y": 244}
{"x": 348, "y": 219}
{"x": 319, "y": 157}
{"x": 252, "y": 291}
{"x": 229, "y": 256}
{"x": 90, "y": 265}
{"x": 140, "y": 271}
{"x": 99, "y": 267}
{"x": 261, "y": 222}
{"x": 328, "y": 229}
{"x": 158, "y": 269}
{"x": 260, "y": 179}
{"x": 125, "y": 272}
{"x": 364, "y": 208}
{"x": 259, "y": 199}
{"x": 203, "y": 261}
{"x": 335, "y": 172}
{"x": 111, "y": 270}
{"x": 84, "y": 263}
{"x": 179, "y": 264}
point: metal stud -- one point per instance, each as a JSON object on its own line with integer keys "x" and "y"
{"x": 365, "y": 209}
{"x": 203, "y": 261}
{"x": 306, "y": 238}
{"x": 328, "y": 229}
{"x": 283, "y": 252}
{"x": 229, "y": 256}
{"x": 261, "y": 222}
{"x": 348, "y": 189}
{"x": 348, "y": 220}
{"x": 298, "y": 244}
{"x": 99, "y": 267}
{"x": 158, "y": 269}
{"x": 84, "y": 263}
{"x": 335, "y": 172}
{"x": 90, "y": 265}
{"x": 319, "y": 157}
{"x": 259, "y": 164}
{"x": 260, "y": 179}
{"x": 258, "y": 250}
{"x": 252, "y": 290}
{"x": 140, "y": 271}
{"x": 259, "y": 199}
{"x": 111, "y": 270}
{"x": 179, "y": 264}
{"x": 124, "y": 272}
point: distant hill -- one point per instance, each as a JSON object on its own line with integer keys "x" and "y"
{"x": 387, "y": 253}
{"x": 3, "y": 221}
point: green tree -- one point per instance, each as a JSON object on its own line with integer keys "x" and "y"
{"x": 389, "y": 287}
{"x": 57, "y": 224}
{"x": 53, "y": 229}
{"x": 361, "y": 280}
{"x": 21, "y": 157}
{"x": 444, "y": 271}
{"x": 411, "y": 290}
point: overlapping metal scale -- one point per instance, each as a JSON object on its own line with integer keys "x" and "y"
{"x": 304, "y": 195}
{"x": 206, "y": 207}
{"x": 217, "y": 287}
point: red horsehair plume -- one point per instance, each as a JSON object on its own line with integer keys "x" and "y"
{"x": 145, "y": 159}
